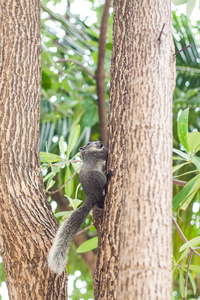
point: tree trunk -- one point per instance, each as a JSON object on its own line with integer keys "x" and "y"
{"x": 27, "y": 224}
{"x": 100, "y": 73}
{"x": 134, "y": 259}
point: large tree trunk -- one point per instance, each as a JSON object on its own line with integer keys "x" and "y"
{"x": 134, "y": 259}
{"x": 27, "y": 224}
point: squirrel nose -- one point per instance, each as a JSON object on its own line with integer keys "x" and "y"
{"x": 103, "y": 145}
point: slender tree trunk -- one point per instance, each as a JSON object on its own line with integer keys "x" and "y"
{"x": 100, "y": 73}
{"x": 134, "y": 259}
{"x": 27, "y": 224}
{"x": 145, "y": 248}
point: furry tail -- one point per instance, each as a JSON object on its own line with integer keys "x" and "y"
{"x": 58, "y": 253}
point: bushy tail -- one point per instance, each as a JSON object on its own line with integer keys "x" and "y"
{"x": 58, "y": 253}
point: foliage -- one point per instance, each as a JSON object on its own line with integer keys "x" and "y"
{"x": 186, "y": 93}
{"x": 190, "y": 5}
{"x": 69, "y": 60}
{"x": 188, "y": 61}
{"x": 88, "y": 245}
{"x": 188, "y": 156}
{"x": 55, "y": 163}
{"x": 186, "y": 167}
{"x": 191, "y": 143}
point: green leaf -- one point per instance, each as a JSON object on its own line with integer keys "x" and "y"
{"x": 55, "y": 169}
{"x": 46, "y": 82}
{"x": 190, "y": 6}
{"x": 49, "y": 157}
{"x": 182, "y": 154}
{"x": 192, "y": 243}
{"x": 63, "y": 213}
{"x": 90, "y": 117}
{"x": 74, "y": 135}
{"x": 177, "y": 167}
{"x": 92, "y": 228}
{"x": 51, "y": 174}
{"x": 76, "y": 166}
{"x": 179, "y": 2}
{"x": 51, "y": 183}
{"x": 188, "y": 199}
{"x": 195, "y": 268}
{"x": 69, "y": 187}
{"x": 189, "y": 188}
{"x": 77, "y": 188}
{"x": 196, "y": 161}
{"x": 61, "y": 145}
{"x": 193, "y": 140}
{"x": 183, "y": 255}
{"x": 185, "y": 173}
{"x": 193, "y": 283}
{"x": 181, "y": 282}
{"x": 183, "y": 128}
{"x": 109, "y": 46}
{"x": 88, "y": 245}
{"x": 74, "y": 202}
{"x": 178, "y": 158}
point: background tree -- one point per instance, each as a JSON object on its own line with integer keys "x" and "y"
{"x": 26, "y": 216}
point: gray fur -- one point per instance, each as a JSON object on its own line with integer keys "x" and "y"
{"x": 93, "y": 182}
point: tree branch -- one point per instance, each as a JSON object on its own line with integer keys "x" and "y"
{"x": 83, "y": 230}
{"x": 78, "y": 64}
{"x": 178, "y": 266}
{"x": 62, "y": 186}
{"x": 186, "y": 278}
{"x": 100, "y": 73}
{"x": 191, "y": 249}
{"x": 180, "y": 182}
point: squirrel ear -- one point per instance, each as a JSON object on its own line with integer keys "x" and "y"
{"x": 81, "y": 149}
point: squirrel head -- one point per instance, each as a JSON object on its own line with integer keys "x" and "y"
{"x": 94, "y": 150}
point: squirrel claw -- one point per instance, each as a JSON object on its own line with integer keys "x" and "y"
{"x": 109, "y": 175}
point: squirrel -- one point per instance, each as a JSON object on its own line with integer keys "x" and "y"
{"x": 94, "y": 184}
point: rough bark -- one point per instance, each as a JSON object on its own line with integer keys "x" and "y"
{"x": 27, "y": 224}
{"x": 140, "y": 147}
{"x": 145, "y": 239}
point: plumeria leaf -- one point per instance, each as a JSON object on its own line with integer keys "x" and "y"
{"x": 88, "y": 245}
{"x": 183, "y": 128}
{"x": 192, "y": 243}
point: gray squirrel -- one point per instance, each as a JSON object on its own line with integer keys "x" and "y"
{"x": 94, "y": 184}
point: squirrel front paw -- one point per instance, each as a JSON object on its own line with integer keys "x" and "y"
{"x": 109, "y": 175}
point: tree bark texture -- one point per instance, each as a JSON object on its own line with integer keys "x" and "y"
{"x": 137, "y": 218}
{"x": 27, "y": 224}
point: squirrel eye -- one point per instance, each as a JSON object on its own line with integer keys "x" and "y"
{"x": 88, "y": 144}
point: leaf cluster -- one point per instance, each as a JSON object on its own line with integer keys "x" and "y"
{"x": 188, "y": 155}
